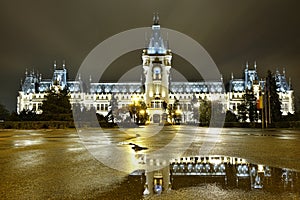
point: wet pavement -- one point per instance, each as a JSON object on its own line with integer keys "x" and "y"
{"x": 54, "y": 164}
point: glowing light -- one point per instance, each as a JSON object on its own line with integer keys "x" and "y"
{"x": 260, "y": 168}
{"x": 150, "y": 94}
{"x": 178, "y": 112}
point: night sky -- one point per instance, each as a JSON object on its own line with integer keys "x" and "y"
{"x": 35, "y": 33}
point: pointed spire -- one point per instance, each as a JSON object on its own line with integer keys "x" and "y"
{"x": 40, "y": 77}
{"x": 255, "y": 65}
{"x": 247, "y": 65}
{"x": 26, "y": 72}
{"x": 146, "y": 39}
{"x": 79, "y": 77}
{"x": 221, "y": 77}
{"x": 54, "y": 65}
{"x": 283, "y": 71}
{"x": 64, "y": 64}
{"x": 231, "y": 75}
{"x": 90, "y": 78}
{"x": 155, "y": 19}
{"x": 167, "y": 41}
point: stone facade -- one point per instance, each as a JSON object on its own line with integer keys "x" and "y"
{"x": 156, "y": 89}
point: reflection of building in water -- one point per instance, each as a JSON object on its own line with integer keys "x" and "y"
{"x": 164, "y": 98}
{"x": 157, "y": 181}
{"x": 229, "y": 172}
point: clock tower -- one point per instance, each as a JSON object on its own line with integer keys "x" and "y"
{"x": 156, "y": 67}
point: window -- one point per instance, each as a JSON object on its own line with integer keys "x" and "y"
{"x": 34, "y": 107}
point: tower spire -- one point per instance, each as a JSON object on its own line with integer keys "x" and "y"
{"x": 255, "y": 65}
{"x": 155, "y": 19}
{"x": 54, "y": 65}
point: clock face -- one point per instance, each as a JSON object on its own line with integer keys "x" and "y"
{"x": 157, "y": 70}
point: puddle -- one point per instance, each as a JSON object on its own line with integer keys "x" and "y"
{"x": 228, "y": 173}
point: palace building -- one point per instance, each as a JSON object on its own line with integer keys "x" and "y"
{"x": 156, "y": 88}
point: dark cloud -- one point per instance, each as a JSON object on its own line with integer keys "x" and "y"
{"x": 34, "y": 33}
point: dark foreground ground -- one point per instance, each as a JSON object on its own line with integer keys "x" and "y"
{"x": 54, "y": 164}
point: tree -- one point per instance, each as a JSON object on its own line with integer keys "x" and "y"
{"x": 56, "y": 105}
{"x": 247, "y": 110}
{"x": 242, "y": 112}
{"x": 205, "y": 111}
{"x": 4, "y": 113}
{"x": 113, "y": 109}
{"x": 195, "y": 108}
{"x": 230, "y": 117}
{"x": 28, "y": 115}
{"x": 250, "y": 101}
{"x": 290, "y": 117}
{"x": 174, "y": 112}
{"x": 137, "y": 111}
{"x": 272, "y": 99}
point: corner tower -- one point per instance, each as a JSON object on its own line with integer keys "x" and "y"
{"x": 156, "y": 66}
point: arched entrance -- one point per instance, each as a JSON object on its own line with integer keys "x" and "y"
{"x": 156, "y": 118}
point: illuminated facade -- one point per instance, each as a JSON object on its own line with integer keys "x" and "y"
{"x": 156, "y": 89}
{"x": 238, "y": 87}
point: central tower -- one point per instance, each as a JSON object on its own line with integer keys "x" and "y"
{"x": 156, "y": 66}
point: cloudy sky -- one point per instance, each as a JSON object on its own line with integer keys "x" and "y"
{"x": 35, "y": 33}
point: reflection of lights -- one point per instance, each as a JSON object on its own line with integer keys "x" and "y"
{"x": 175, "y": 168}
{"x": 146, "y": 192}
{"x": 207, "y": 167}
{"x": 286, "y": 175}
{"x": 242, "y": 170}
{"x": 199, "y": 167}
{"x": 158, "y": 189}
{"x": 257, "y": 183}
{"x": 267, "y": 171}
{"x": 178, "y": 112}
{"x": 253, "y": 171}
{"x": 222, "y": 168}
{"x": 190, "y": 167}
{"x": 135, "y": 99}
{"x": 24, "y": 143}
{"x": 215, "y": 161}
{"x": 182, "y": 167}
{"x": 260, "y": 168}
{"x": 216, "y": 168}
